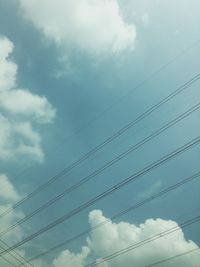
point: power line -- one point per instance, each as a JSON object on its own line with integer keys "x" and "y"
{"x": 108, "y": 192}
{"x": 103, "y": 144}
{"x": 24, "y": 262}
{"x": 103, "y": 168}
{"x": 145, "y": 241}
{"x": 147, "y": 79}
{"x": 119, "y": 214}
{"x": 9, "y": 262}
{"x": 173, "y": 257}
{"x": 140, "y": 84}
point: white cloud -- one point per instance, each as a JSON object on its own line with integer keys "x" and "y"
{"x": 7, "y": 190}
{"x": 9, "y": 220}
{"x": 13, "y": 236}
{"x": 93, "y": 26}
{"x": 8, "y": 196}
{"x": 19, "y": 108}
{"x": 116, "y": 236}
{"x": 70, "y": 259}
{"x": 8, "y": 69}
{"x": 21, "y": 102}
{"x": 19, "y": 139}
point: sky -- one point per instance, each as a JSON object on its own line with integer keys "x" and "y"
{"x": 73, "y": 74}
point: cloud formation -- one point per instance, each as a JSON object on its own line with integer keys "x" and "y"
{"x": 26, "y": 104}
{"x": 8, "y": 196}
{"x": 113, "y": 237}
{"x": 7, "y": 190}
{"x": 70, "y": 259}
{"x": 8, "y": 69}
{"x": 19, "y": 109}
{"x": 96, "y": 27}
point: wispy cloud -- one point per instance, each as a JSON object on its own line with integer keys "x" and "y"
{"x": 151, "y": 190}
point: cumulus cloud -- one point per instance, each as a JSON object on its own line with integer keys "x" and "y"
{"x": 19, "y": 108}
{"x": 113, "y": 237}
{"x": 8, "y": 69}
{"x": 93, "y": 26}
{"x": 9, "y": 220}
{"x": 19, "y": 139}
{"x": 70, "y": 259}
{"x": 8, "y": 196}
{"x": 7, "y": 190}
{"x": 21, "y": 102}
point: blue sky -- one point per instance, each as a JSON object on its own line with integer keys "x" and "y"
{"x": 72, "y": 73}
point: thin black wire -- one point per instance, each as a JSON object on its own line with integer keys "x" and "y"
{"x": 145, "y": 241}
{"x": 24, "y": 262}
{"x": 173, "y": 257}
{"x": 9, "y": 262}
{"x": 108, "y": 192}
{"x": 121, "y": 99}
{"x": 119, "y": 214}
{"x": 104, "y": 143}
{"x": 102, "y": 168}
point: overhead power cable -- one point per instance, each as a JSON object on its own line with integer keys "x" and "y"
{"x": 130, "y": 92}
{"x": 15, "y": 255}
{"x": 145, "y": 241}
{"x": 9, "y": 262}
{"x": 103, "y": 144}
{"x": 119, "y": 214}
{"x": 111, "y": 190}
{"x": 174, "y": 257}
{"x": 102, "y": 168}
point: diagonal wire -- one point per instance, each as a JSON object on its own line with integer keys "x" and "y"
{"x": 106, "y": 193}
{"x": 173, "y": 257}
{"x": 9, "y": 262}
{"x": 145, "y": 241}
{"x": 17, "y": 256}
{"x": 103, "y": 144}
{"x": 130, "y": 92}
{"x": 102, "y": 168}
{"x": 119, "y": 214}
